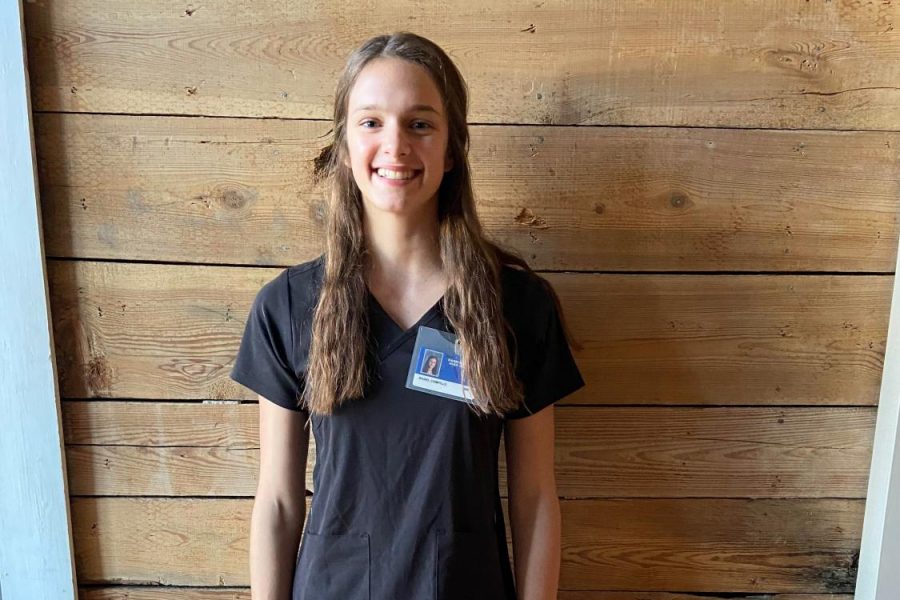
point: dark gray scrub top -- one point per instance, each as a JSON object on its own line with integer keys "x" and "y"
{"x": 406, "y": 503}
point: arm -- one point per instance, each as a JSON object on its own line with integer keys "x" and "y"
{"x": 279, "y": 508}
{"x": 534, "y": 514}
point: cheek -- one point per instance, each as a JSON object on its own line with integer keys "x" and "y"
{"x": 360, "y": 151}
{"x": 360, "y": 162}
{"x": 436, "y": 152}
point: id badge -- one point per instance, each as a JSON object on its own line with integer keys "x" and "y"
{"x": 436, "y": 366}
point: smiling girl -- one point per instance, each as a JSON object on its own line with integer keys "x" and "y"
{"x": 406, "y": 500}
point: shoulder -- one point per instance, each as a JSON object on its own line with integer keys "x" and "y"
{"x": 305, "y": 276}
{"x": 525, "y": 293}
{"x": 521, "y": 279}
{"x": 543, "y": 359}
{"x": 303, "y": 286}
{"x": 529, "y": 308}
{"x": 290, "y": 296}
{"x": 304, "y": 281}
{"x": 306, "y": 272}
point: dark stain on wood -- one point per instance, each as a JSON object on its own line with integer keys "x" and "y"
{"x": 527, "y": 218}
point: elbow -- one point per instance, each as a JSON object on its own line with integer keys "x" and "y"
{"x": 528, "y": 504}
{"x": 270, "y": 505}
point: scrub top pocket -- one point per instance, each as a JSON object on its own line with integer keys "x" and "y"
{"x": 332, "y": 567}
{"x": 467, "y": 565}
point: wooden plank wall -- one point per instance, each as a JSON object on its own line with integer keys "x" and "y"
{"x": 712, "y": 187}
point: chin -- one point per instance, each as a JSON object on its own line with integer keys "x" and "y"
{"x": 399, "y": 206}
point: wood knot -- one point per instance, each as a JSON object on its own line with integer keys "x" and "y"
{"x": 679, "y": 200}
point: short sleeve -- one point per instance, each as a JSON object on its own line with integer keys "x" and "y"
{"x": 553, "y": 373}
{"x": 264, "y": 362}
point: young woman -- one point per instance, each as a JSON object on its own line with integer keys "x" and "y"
{"x": 406, "y": 500}
{"x": 431, "y": 366}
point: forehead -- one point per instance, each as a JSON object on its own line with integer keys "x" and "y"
{"x": 393, "y": 85}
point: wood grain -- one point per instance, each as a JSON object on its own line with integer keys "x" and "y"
{"x": 190, "y": 449}
{"x": 238, "y": 191}
{"x": 133, "y": 330}
{"x": 822, "y": 65}
{"x": 649, "y": 544}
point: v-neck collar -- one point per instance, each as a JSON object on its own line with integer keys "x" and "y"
{"x": 398, "y": 335}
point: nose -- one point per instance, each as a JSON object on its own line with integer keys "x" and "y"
{"x": 395, "y": 140}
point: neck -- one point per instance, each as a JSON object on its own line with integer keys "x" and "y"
{"x": 402, "y": 248}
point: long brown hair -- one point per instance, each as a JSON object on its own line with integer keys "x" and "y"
{"x": 337, "y": 367}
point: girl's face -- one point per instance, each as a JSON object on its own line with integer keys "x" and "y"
{"x": 395, "y": 119}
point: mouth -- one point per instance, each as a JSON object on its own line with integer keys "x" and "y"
{"x": 397, "y": 177}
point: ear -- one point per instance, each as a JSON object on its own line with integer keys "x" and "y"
{"x": 448, "y": 163}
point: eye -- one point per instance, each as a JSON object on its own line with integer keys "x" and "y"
{"x": 425, "y": 123}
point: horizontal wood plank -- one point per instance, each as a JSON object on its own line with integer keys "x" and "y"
{"x": 611, "y": 199}
{"x": 649, "y": 544}
{"x": 148, "y": 448}
{"x": 132, "y": 330}
{"x": 751, "y": 64}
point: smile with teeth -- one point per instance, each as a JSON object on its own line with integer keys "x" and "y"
{"x": 389, "y": 174}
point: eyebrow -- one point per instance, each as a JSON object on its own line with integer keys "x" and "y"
{"x": 414, "y": 108}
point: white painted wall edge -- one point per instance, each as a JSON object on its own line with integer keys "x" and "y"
{"x": 36, "y": 560}
{"x": 878, "y": 577}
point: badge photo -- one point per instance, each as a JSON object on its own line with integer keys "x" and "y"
{"x": 436, "y": 366}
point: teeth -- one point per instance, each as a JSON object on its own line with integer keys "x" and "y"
{"x": 388, "y": 174}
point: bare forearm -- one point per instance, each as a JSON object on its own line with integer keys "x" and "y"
{"x": 274, "y": 538}
{"x": 536, "y": 525}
